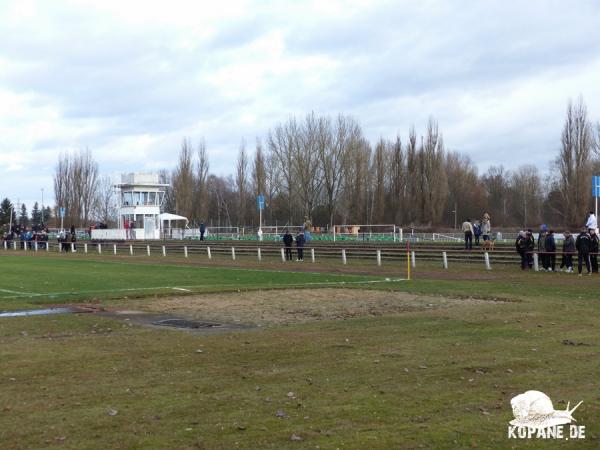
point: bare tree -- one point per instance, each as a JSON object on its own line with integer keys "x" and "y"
{"x": 497, "y": 183}
{"x": 526, "y": 195}
{"x": 431, "y": 175}
{"x": 466, "y": 193}
{"x": 379, "y": 173}
{"x": 75, "y": 185}
{"x": 241, "y": 184}
{"x": 335, "y": 143}
{"x": 259, "y": 171}
{"x": 281, "y": 143}
{"x": 168, "y": 202}
{"x": 183, "y": 181}
{"x": 574, "y": 163}
{"x": 397, "y": 189}
{"x": 105, "y": 208}
{"x": 201, "y": 194}
{"x": 307, "y": 169}
{"x": 413, "y": 187}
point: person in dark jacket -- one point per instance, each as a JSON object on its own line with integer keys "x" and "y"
{"x": 542, "y": 247}
{"x": 477, "y": 231}
{"x": 202, "y": 231}
{"x": 300, "y": 245}
{"x": 594, "y": 250}
{"x": 583, "y": 243}
{"x": 567, "y": 252}
{"x": 287, "y": 242}
{"x": 521, "y": 246}
{"x": 551, "y": 251}
{"x": 529, "y": 247}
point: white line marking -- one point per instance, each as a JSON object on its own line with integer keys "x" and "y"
{"x": 211, "y": 286}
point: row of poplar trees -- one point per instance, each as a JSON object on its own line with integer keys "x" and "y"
{"x": 324, "y": 168}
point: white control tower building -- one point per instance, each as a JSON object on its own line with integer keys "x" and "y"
{"x": 140, "y": 198}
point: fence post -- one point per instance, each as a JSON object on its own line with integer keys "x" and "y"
{"x": 445, "y": 258}
{"x": 47, "y": 246}
{"x": 5, "y": 246}
{"x": 259, "y": 255}
{"x": 536, "y": 265}
{"x": 148, "y": 250}
{"x": 487, "y": 261}
{"x": 185, "y": 253}
{"x": 401, "y": 234}
{"x": 84, "y": 248}
{"x": 35, "y": 246}
{"x": 378, "y": 257}
{"x": 312, "y": 255}
{"x": 233, "y": 253}
{"x": 413, "y": 259}
{"x": 131, "y": 249}
{"x": 114, "y": 249}
{"x": 24, "y": 245}
{"x": 208, "y": 252}
{"x": 164, "y": 250}
{"x": 73, "y": 247}
{"x": 343, "y": 256}
{"x": 15, "y": 245}
{"x": 282, "y": 255}
{"x": 99, "y": 248}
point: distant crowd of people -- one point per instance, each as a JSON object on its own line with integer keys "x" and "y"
{"x": 27, "y": 236}
{"x": 67, "y": 240}
{"x": 480, "y": 229}
{"x": 585, "y": 245}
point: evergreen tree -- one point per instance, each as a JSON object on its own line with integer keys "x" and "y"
{"x": 6, "y": 207}
{"x": 36, "y": 215}
{"x": 23, "y": 216}
{"x": 48, "y": 216}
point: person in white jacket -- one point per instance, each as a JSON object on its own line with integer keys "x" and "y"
{"x": 592, "y": 222}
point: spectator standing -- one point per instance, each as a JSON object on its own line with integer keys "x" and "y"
{"x": 583, "y": 245}
{"x": 287, "y": 242}
{"x": 567, "y": 252}
{"x": 126, "y": 226}
{"x": 542, "y": 246}
{"x": 300, "y": 240}
{"x": 594, "y": 250}
{"x": 521, "y": 246}
{"x": 592, "y": 221}
{"x": 477, "y": 231}
{"x": 307, "y": 226}
{"x": 202, "y": 231}
{"x": 73, "y": 239}
{"x": 486, "y": 227}
{"x": 467, "y": 228}
{"x": 551, "y": 251}
{"x": 530, "y": 247}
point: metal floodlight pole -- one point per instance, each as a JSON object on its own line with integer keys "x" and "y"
{"x": 42, "y": 206}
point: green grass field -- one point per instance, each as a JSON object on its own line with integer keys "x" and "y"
{"x": 50, "y": 279}
{"x": 437, "y": 376}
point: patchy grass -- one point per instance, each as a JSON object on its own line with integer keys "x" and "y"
{"x": 431, "y": 377}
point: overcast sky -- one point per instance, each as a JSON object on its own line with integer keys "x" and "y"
{"x": 129, "y": 80}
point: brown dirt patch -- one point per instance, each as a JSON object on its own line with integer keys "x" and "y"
{"x": 297, "y": 306}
